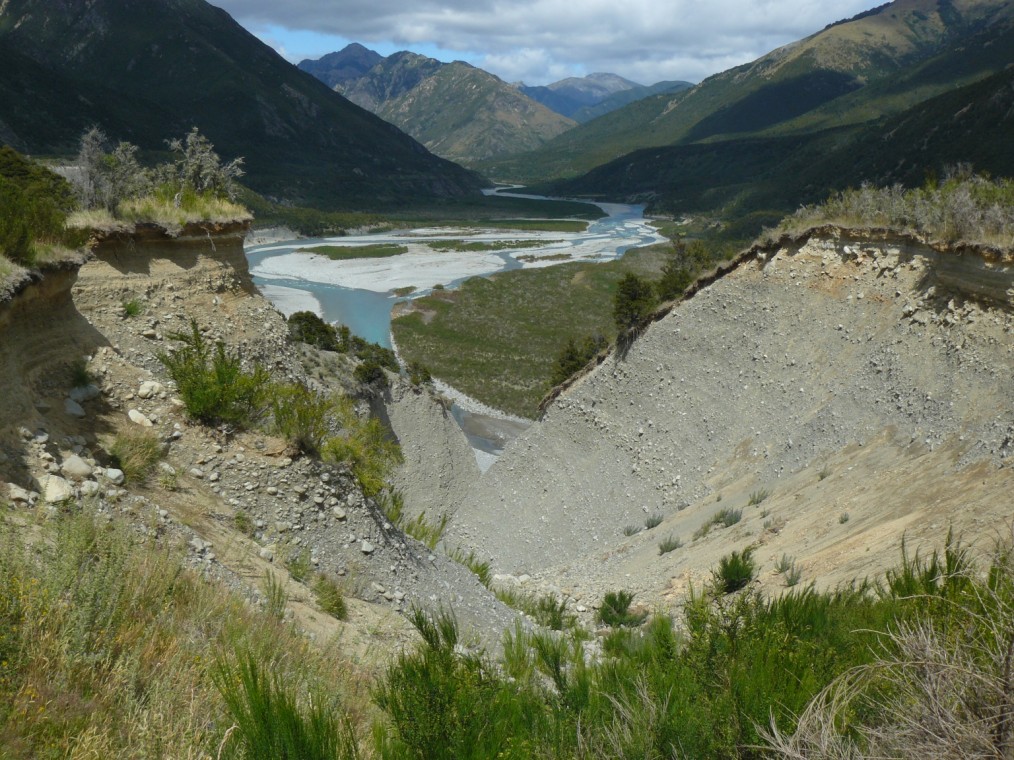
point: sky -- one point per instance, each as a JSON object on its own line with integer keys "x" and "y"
{"x": 543, "y": 41}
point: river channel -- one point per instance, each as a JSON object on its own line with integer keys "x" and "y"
{"x": 360, "y": 292}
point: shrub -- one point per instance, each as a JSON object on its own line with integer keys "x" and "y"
{"x": 372, "y": 374}
{"x": 212, "y": 383}
{"x": 243, "y": 523}
{"x": 302, "y": 416}
{"x": 843, "y": 518}
{"x": 307, "y": 327}
{"x": 419, "y": 527}
{"x": 727, "y": 517}
{"x": 633, "y": 302}
{"x": 79, "y": 374}
{"x": 630, "y": 530}
{"x": 364, "y": 445}
{"x": 575, "y": 356}
{"x": 275, "y": 596}
{"x": 668, "y": 544}
{"x": 824, "y": 473}
{"x": 758, "y": 496}
{"x": 136, "y": 452}
{"x": 330, "y": 597}
{"x": 373, "y": 353}
{"x": 299, "y": 565}
{"x": 418, "y": 374}
{"x": 482, "y": 569}
{"x": 615, "y": 610}
{"x": 735, "y": 570}
{"x": 271, "y": 722}
{"x": 132, "y": 308}
{"x": 652, "y": 521}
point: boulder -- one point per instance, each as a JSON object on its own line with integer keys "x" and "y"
{"x": 75, "y": 468}
{"x": 139, "y": 419}
{"x": 56, "y": 489}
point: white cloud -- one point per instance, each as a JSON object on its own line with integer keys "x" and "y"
{"x": 540, "y": 41}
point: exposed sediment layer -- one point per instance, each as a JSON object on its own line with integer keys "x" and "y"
{"x": 792, "y": 356}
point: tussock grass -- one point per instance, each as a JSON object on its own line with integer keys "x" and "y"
{"x": 669, "y": 544}
{"x": 136, "y": 451}
{"x": 108, "y": 648}
{"x": 161, "y": 208}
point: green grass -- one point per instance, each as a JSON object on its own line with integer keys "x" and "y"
{"x": 498, "y": 339}
{"x": 330, "y": 597}
{"x": 346, "y": 252}
{"x": 492, "y": 245}
{"x": 615, "y": 610}
{"x": 735, "y": 570}
{"x": 108, "y": 645}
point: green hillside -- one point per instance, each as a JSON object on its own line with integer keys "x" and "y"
{"x": 872, "y": 66}
{"x": 759, "y": 178}
{"x": 147, "y": 71}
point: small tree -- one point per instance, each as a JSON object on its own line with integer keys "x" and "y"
{"x": 197, "y": 168}
{"x": 633, "y": 301}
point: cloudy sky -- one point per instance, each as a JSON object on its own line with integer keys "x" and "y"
{"x": 541, "y": 41}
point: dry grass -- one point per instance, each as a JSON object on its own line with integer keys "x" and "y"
{"x": 195, "y": 208}
{"x": 965, "y": 208}
{"x": 10, "y": 274}
{"x": 941, "y": 687}
{"x": 108, "y": 647}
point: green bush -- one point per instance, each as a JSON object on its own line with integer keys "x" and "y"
{"x": 302, "y": 416}
{"x": 372, "y": 374}
{"x": 270, "y": 720}
{"x": 442, "y": 705}
{"x": 652, "y": 521}
{"x": 299, "y": 565}
{"x": 633, "y": 301}
{"x": 212, "y": 382}
{"x": 735, "y": 570}
{"x": 669, "y": 544}
{"x": 365, "y": 446}
{"x": 707, "y": 687}
{"x": 575, "y": 356}
{"x": 307, "y": 327}
{"x": 482, "y": 569}
{"x": 615, "y": 610}
{"x": 418, "y": 374}
{"x": 330, "y": 597}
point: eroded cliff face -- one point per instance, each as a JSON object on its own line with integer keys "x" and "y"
{"x": 53, "y": 452}
{"x": 864, "y": 383}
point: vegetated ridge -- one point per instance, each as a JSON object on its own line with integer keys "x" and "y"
{"x": 142, "y": 71}
{"x": 456, "y": 110}
{"x": 851, "y": 73}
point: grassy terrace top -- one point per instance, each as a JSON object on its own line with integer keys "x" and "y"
{"x": 963, "y": 209}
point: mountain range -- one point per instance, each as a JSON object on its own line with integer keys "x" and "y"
{"x": 466, "y": 114}
{"x": 802, "y": 119}
{"x": 147, "y": 72}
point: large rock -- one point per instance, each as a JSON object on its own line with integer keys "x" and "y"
{"x": 75, "y": 468}
{"x": 56, "y": 489}
{"x": 73, "y": 408}
{"x": 138, "y": 418}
